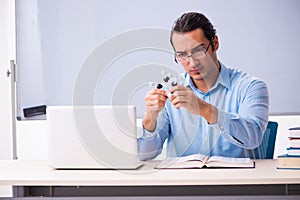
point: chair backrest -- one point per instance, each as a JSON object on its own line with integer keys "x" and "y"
{"x": 266, "y": 148}
{"x": 272, "y": 138}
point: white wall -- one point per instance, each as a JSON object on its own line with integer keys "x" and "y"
{"x": 53, "y": 63}
{"x": 5, "y": 56}
{"x": 284, "y": 123}
{"x": 32, "y": 140}
{"x": 7, "y": 52}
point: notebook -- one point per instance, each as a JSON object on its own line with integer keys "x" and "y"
{"x": 92, "y": 137}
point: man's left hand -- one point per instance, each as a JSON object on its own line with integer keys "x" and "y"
{"x": 185, "y": 97}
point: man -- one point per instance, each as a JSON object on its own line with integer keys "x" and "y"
{"x": 220, "y": 111}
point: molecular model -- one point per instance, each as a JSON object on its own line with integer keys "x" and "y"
{"x": 168, "y": 82}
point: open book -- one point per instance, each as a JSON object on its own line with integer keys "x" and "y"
{"x": 200, "y": 161}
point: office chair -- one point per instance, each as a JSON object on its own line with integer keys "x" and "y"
{"x": 266, "y": 148}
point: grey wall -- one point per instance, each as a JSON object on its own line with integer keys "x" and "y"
{"x": 108, "y": 48}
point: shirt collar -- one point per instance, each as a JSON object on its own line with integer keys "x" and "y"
{"x": 223, "y": 78}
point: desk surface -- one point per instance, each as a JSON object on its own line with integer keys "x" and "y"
{"x": 28, "y": 173}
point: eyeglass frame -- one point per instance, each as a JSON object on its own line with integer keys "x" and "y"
{"x": 191, "y": 54}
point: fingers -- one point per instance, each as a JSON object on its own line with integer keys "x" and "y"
{"x": 179, "y": 96}
{"x": 156, "y": 91}
{"x": 182, "y": 98}
{"x": 155, "y": 100}
{"x": 179, "y": 101}
{"x": 178, "y": 88}
{"x": 154, "y": 97}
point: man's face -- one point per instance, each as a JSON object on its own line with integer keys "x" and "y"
{"x": 188, "y": 46}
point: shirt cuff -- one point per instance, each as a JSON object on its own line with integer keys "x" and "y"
{"x": 223, "y": 126}
{"x": 148, "y": 134}
{"x": 220, "y": 126}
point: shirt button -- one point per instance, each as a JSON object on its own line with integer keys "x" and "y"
{"x": 221, "y": 127}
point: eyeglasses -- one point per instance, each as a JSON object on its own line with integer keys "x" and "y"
{"x": 196, "y": 53}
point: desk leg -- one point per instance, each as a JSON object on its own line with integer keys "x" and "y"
{"x": 28, "y": 191}
{"x": 18, "y": 191}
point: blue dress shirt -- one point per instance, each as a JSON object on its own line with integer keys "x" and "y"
{"x": 242, "y": 102}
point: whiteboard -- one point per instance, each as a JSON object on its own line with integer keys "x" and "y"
{"x": 106, "y": 52}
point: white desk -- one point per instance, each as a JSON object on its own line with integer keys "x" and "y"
{"x": 36, "y": 178}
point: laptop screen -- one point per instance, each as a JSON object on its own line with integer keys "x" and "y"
{"x": 92, "y": 136}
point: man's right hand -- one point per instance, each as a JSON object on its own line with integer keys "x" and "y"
{"x": 155, "y": 101}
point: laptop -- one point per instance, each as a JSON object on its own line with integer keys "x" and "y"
{"x": 92, "y": 137}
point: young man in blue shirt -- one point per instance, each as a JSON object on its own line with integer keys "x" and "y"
{"x": 219, "y": 111}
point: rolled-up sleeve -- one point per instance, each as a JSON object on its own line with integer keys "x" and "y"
{"x": 150, "y": 144}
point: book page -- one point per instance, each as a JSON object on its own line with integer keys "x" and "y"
{"x": 191, "y": 161}
{"x": 228, "y": 159}
{"x": 220, "y": 161}
{"x": 192, "y": 164}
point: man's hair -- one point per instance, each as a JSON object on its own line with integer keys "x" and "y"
{"x": 190, "y": 21}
